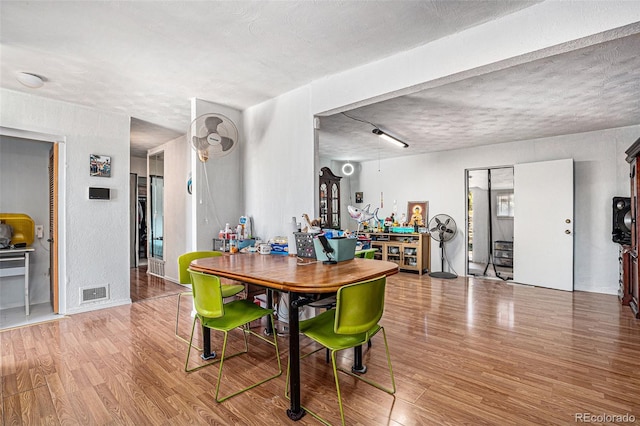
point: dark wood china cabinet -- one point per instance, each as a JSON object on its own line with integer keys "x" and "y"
{"x": 629, "y": 258}
{"x": 329, "y": 199}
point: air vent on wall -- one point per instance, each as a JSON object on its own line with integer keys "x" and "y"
{"x": 155, "y": 267}
{"x": 93, "y": 294}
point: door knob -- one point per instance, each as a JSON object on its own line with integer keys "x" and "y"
{"x": 567, "y": 220}
{"x": 567, "y": 232}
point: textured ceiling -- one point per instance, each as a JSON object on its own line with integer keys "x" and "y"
{"x": 148, "y": 59}
{"x": 590, "y": 88}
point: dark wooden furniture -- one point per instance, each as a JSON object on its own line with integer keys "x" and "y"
{"x": 624, "y": 267}
{"x": 329, "y": 199}
{"x": 631, "y": 292}
{"x": 284, "y": 273}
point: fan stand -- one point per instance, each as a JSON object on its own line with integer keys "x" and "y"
{"x": 442, "y": 273}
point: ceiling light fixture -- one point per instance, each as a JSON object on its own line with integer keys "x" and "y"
{"x": 376, "y": 130}
{"x": 30, "y": 80}
{"x": 348, "y": 169}
{"x": 389, "y": 138}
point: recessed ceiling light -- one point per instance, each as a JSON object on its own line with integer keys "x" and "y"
{"x": 30, "y": 80}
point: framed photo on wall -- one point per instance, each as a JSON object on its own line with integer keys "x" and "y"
{"x": 359, "y": 196}
{"x": 418, "y": 213}
{"x": 100, "y": 165}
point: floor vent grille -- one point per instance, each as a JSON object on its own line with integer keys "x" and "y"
{"x": 93, "y": 294}
{"x": 156, "y": 267}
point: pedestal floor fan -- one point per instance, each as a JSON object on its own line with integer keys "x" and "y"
{"x": 442, "y": 228}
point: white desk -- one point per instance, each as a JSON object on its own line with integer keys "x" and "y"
{"x": 9, "y": 258}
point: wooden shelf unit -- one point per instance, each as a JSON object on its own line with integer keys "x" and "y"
{"x": 412, "y": 252}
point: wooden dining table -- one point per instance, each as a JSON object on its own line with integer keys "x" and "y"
{"x": 303, "y": 280}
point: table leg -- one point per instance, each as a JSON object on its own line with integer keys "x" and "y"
{"x": 357, "y": 361}
{"x": 269, "y": 330}
{"x": 295, "y": 412}
{"x": 206, "y": 344}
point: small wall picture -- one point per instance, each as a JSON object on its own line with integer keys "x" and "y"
{"x": 418, "y": 213}
{"x": 359, "y": 197}
{"x": 100, "y": 165}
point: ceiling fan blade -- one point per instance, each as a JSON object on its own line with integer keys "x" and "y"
{"x": 437, "y": 219}
{"x": 433, "y": 229}
{"x": 446, "y": 223}
{"x": 227, "y": 143}
{"x": 449, "y": 231}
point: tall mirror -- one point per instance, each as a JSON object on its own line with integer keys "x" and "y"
{"x": 156, "y": 204}
{"x": 490, "y": 214}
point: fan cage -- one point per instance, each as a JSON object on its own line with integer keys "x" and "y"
{"x": 437, "y": 222}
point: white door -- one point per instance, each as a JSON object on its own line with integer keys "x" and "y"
{"x": 543, "y": 224}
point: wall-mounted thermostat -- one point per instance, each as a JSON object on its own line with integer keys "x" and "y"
{"x": 99, "y": 193}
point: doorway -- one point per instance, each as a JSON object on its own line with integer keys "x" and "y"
{"x": 138, "y": 220}
{"x": 490, "y": 222}
{"x": 39, "y": 154}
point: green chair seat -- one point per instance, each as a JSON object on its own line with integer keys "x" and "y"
{"x": 236, "y": 314}
{"x": 321, "y": 329}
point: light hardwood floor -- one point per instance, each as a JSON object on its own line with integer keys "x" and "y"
{"x": 464, "y": 351}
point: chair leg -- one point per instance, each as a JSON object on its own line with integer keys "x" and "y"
{"x": 246, "y": 349}
{"x": 391, "y": 390}
{"x": 178, "y": 318}
{"x": 186, "y": 364}
{"x": 335, "y": 376}
{"x": 222, "y": 358}
{"x": 286, "y": 388}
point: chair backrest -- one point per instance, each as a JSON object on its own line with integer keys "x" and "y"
{"x": 367, "y": 253}
{"x": 184, "y": 260}
{"x": 207, "y": 294}
{"x": 359, "y": 306}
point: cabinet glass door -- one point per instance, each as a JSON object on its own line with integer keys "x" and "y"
{"x": 335, "y": 206}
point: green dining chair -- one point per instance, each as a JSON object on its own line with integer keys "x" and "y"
{"x": 184, "y": 278}
{"x": 353, "y": 322}
{"x": 212, "y": 313}
{"x": 366, "y": 253}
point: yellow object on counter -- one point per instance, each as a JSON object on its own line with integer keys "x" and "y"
{"x": 23, "y": 227}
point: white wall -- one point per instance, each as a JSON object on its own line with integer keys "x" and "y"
{"x": 280, "y": 179}
{"x": 94, "y": 233}
{"x": 24, "y": 170}
{"x": 138, "y": 166}
{"x": 601, "y": 173}
{"x": 218, "y": 196}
